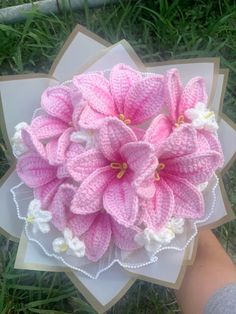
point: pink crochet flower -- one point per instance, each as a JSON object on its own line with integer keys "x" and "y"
{"x": 182, "y": 166}
{"x": 97, "y": 230}
{"x": 113, "y": 176}
{"x": 179, "y": 99}
{"x": 126, "y": 95}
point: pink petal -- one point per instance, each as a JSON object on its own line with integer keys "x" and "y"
{"x": 56, "y": 148}
{"x": 96, "y": 90}
{"x": 98, "y": 237}
{"x": 123, "y": 237}
{"x": 32, "y": 142}
{"x": 88, "y": 198}
{"x": 145, "y": 99}
{"x": 193, "y": 92}
{"x": 48, "y": 127}
{"x": 122, "y": 77}
{"x": 189, "y": 202}
{"x": 182, "y": 141}
{"x": 173, "y": 89}
{"x": 74, "y": 150}
{"x": 62, "y": 172}
{"x": 56, "y": 101}
{"x": 78, "y": 109}
{"x": 160, "y": 208}
{"x": 90, "y": 118}
{"x": 139, "y": 132}
{"x": 196, "y": 168}
{"x": 112, "y": 136}
{"x": 79, "y": 224}
{"x": 158, "y": 131}
{"x": 34, "y": 171}
{"x": 82, "y": 166}
{"x": 121, "y": 202}
{"x": 46, "y": 192}
{"x": 60, "y": 207}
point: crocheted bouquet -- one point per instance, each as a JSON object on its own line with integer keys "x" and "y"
{"x": 118, "y": 162}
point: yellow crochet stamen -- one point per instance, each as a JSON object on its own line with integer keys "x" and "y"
{"x": 122, "y": 166}
{"x": 30, "y": 219}
{"x": 208, "y": 114}
{"x": 160, "y": 167}
{"x": 122, "y": 118}
{"x": 63, "y": 247}
{"x": 180, "y": 121}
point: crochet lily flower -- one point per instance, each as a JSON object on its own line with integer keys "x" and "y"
{"x": 97, "y": 230}
{"x": 114, "y": 175}
{"x": 182, "y": 166}
{"x": 126, "y": 95}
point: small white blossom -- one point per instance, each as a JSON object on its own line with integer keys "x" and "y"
{"x": 152, "y": 240}
{"x": 202, "y": 186}
{"x": 69, "y": 244}
{"x": 18, "y": 145}
{"x": 84, "y": 137}
{"x": 202, "y": 118}
{"x": 37, "y": 217}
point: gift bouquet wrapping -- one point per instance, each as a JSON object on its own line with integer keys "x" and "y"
{"x": 116, "y": 165}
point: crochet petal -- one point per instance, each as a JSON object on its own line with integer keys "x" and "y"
{"x": 173, "y": 89}
{"x": 189, "y": 202}
{"x": 34, "y": 171}
{"x": 98, "y": 237}
{"x": 56, "y": 148}
{"x": 47, "y": 127}
{"x": 139, "y": 132}
{"x": 82, "y": 166}
{"x": 160, "y": 208}
{"x": 78, "y": 109}
{"x": 60, "y": 207}
{"x": 79, "y": 224}
{"x": 46, "y": 192}
{"x": 122, "y": 77}
{"x": 31, "y": 141}
{"x": 158, "y": 131}
{"x": 112, "y": 136}
{"x": 90, "y": 118}
{"x": 193, "y": 92}
{"x": 96, "y": 90}
{"x": 145, "y": 99}
{"x": 88, "y": 198}
{"x": 196, "y": 168}
{"x": 56, "y": 101}
{"x": 123, "y": 237}
{"x": 182, "y": 141}
{"x": 121, "y": 202}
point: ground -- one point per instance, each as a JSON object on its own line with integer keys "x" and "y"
{"x": 158, "y": 30}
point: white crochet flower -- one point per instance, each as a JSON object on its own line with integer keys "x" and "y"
{"x": 18, "y": 145}
{"x": 152, "y": 240}
{"x": 202, "y": 118}
{"x": 202, "y": 186}
{"x": 84, "y": 137}
{"x": 37, "y": 217}
{"x": 69, "y": 244}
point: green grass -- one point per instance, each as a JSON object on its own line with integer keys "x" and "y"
{"x": 158, "y": 30}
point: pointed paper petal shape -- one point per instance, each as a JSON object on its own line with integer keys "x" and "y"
{"x": 79, "y": 224}
{"x": 96, "y": 90}
{"x": 173, "y": 89}
{"x": 160, "y": 208}
{"x": 46, "y": 127}
{"x": 88, "y": 198}
{"x": 34, "y": 171}
{"x": 189, "y": 202}
{"x": 46, "y": 192}
{"x": 31, "y": 141}
{"x": 122, "y": 77}
{"x": 145, "y": 99}
{"x": 193, "y": 92}
{"x": 90, "y": 118}
{"x": 56, "y": 101}
{"x": 197, "y": 168}
{"x": 82, "y": 166}
{"x": 112, "y": 136}
{"x": 98, "y": 237}
{"x": 123, "y": 237}
{"x": 121, "y": 202}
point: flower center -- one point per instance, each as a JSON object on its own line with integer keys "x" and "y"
{"x": 30, "y": 219}
{"x": 122, "y": 118}
{"x": 63, "y": 247}
{"x": 180, "y": 121}
{"x": 208, "y": 114}
{"x": 160, "y": 167}
{"x": 121, "y": 166}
